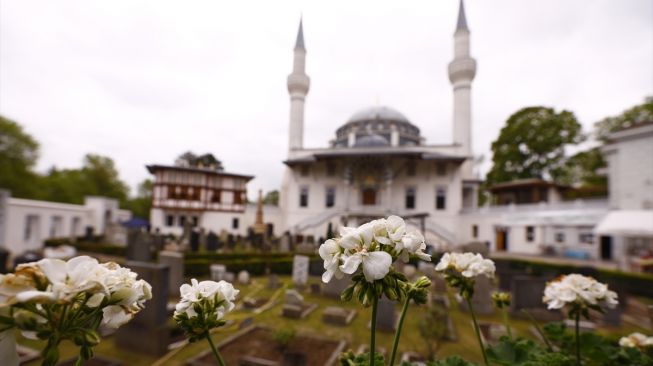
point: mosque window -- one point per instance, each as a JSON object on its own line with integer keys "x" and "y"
{"x": 441, "y": 169}
{"x": 170, "y": 220}
{"x": 330, "y": 196}
{"x": 195, "y": 221}
{"x": 440, "y": 199}
{"x": 530, "y": 233}
{"x": 303, "y": 197}
{"x": 474, "y": 231}
{"x": 182, "y": 221}
{"x": 410, "y": 198}
{"x": 234, "y": 223}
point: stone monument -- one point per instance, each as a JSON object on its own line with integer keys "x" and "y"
{"x": 300, "y": 270}
{"x": 175, "y": 261}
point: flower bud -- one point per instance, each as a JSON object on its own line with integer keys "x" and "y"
{"x": 501, "y": 299}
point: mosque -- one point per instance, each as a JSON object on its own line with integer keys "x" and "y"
{"x": 378, "y": 163}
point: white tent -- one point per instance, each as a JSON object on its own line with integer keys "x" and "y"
{"x": 627, "y": 222}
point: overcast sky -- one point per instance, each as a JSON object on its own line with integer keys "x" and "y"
{"x": 143, "y": 81}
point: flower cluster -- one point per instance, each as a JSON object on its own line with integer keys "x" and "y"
{"x": 467, "y": 264}
{"x": 636, "y": 339}
{"x": 501, "y": 300}
{"x": 107, "y": 286}
{"x": 55, "y": 300}
{"x": 578, "y": 291}
{"x": 203, "y": 306}
{"x": 374, "y": 246}
{"x": 461, "y": 269}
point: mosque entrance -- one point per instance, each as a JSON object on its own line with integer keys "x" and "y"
{"x": 369, "y": 196}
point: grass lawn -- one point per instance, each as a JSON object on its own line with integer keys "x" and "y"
{"x": 355, "y": 334}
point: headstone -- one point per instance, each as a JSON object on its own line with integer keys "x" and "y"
{"x": 300, "y": 270}
{"x": 335, "y": 287}
{"x": 612, "y": 317}
{"x": 410, "y": 271}
{"x": 439, "y": 284}
{"x": 482, "y": 298}
{"x": 202, "y": 237}
{"x": 27, "y": 257}
{"x": 291, "y": 358}
{"x": 212, "y": 242}
{"x": 385, "y": 316}
{"x": 175, "y": 261}
{"x": 63, "y": 252}
{"x": 139, "y": 246}
{"x": 338, "y": 316}
{"x": 293, "y": 297}
{"x": 194, "y": 241}
{"x": 476, "y": 247}
{"x": 527, "y": 292}
{"x": 243, "y": 277}
{"x": 218, "y": 272}
{"x": 149, "y": 326}
{"x": 316, "y": 289}
{"x": 115, "y": 234}
{"x": 284, "y": 243}
{"x": 158, "y": 242}
{"x": 273, "y": 282}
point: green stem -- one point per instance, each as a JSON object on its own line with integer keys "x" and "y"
{"x": 578, "y": 338}
{"x": 215, "y": 350}
{"x": 539, "y": 330}
{"x": 373, "y": 329}
{"x": 79, "y": 361}
{"x": 398, "y": 332}
{"x": 506, "y": 322}
{"x": 477, "y": 330}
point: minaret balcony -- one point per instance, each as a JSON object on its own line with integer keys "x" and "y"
{"x": 298, "y": 83}
{"x": 462, "y": 69}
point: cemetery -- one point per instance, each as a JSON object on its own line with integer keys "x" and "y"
{"x": 283, "y": 292}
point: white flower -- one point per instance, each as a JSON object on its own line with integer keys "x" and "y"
{"x": 221, "y": 294}
{"x": 467, "y": 264}
{"x": 579, "y": 289}
{"x": 12, "y": 285}
{"x": 114, "y": 316}
{"x": 413, "y": 243}
{"x": 396, "y": 228}
{"x": 357, "y": 244}
{"x": 330, "y": 253}
{"x": 636, "y": 340}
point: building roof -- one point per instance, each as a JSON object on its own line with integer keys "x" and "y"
{"x": 299, "y": 44}
{"x": 462, "y": 20}
{"x": 154, "y": 167}
{"x": 378, "y": 112}
{"x": 627, "y": 222}
{"x": 417, "y": 152}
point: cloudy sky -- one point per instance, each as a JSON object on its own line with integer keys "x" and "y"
{"x": 143, "y": 81}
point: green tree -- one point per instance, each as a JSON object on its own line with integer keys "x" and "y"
{"x": 532, "y": 144}
{"x": 141, "y": 204}
{"x": 631, "y": 116}
{"x": 18, "y": 155}
{"x": 271, "y": 198}
{"x": 581, "y": 169}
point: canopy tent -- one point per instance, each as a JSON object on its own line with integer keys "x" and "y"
{"x": 627, "y": 222}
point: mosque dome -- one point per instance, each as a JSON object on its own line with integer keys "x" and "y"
{"x": 374, "y": 126}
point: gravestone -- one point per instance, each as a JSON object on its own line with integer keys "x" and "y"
{"x": 338, "y": 316}
{"x": 194, "y": 241}
{"x": 294, "y": 305}
{"x": 273, "y": 282}
{"x": 149, "y": 326}
{"x": 139, "y": 246}
{"x": 284, "y": 243}
{"x": 291, "y": 358}
{"x": 26, "y": 257}
{"x": 115, "y": 234}
{"x": 229, "y": 277}
{"x": 218, "y": 272}
{"x": 439, "y": 284}
{"x": 293, "y": 297}
{"x": 612, "y": 317}
{"x": 409, "y": 271}
{"x": 202, "y": 238}
{"x": 316, "y": 289}
{"x": 212, "y": 242}
{"x": 335, "y": 287}
{"x": 527, "y": 292}
{"x": 476, "y": 247}
{"x": 482, "y": 298}
{"x": 300, "y": 265}
{"x": 243, "y": 277}
{"x": 175, "y": 261}
{"x": 386, "y": 319}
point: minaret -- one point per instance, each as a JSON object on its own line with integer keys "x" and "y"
{"x": 461, "y": 73}
{"x": 298, "y": 84}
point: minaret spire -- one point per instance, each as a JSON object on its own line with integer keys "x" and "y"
{"x": 462, "y": 20}
{"x": 462, "y": 70}
{"x": 298, "y": 85}
{"x": 299, "y": 44}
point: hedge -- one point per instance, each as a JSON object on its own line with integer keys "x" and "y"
{"x": 86, "y": 246}
{"x": 255, "y": 266}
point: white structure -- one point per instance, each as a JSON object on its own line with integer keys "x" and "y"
{"x": 379, "y": 164}
{"x": 626, "y": 233}
{"x": 25, "y": 224}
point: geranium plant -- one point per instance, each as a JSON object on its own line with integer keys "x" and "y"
{"x": 368, "y": 253}
{"x": 202, "y": 308}
{"x": 54, "y": 300}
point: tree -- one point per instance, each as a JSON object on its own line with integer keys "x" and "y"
{"x": 271, "y": 198}
{"x": 582, "y": 169}
{"x": 634, "y": 115}
{"x": 532, "y": 144}
{"x": 18, "y": 155}
{"x": 141, "y": 204}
